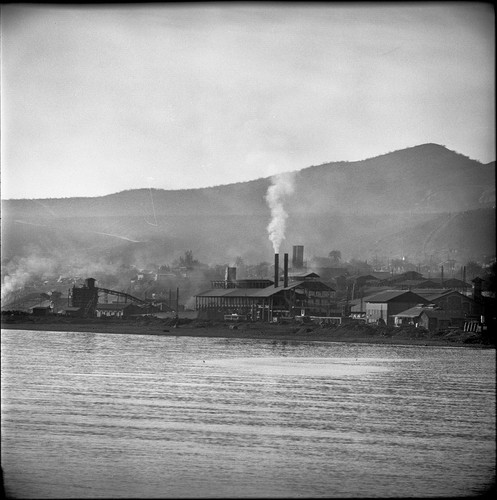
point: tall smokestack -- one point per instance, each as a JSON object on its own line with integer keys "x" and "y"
{"x": 285, "y": 270}
{"x": 276, "y": 269}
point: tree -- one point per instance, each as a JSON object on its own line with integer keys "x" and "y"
{"x": 473, "y": 269}
{"x": 490, "y": 278}
{"x": 335, "y": 257}
{"x": 359, "y": 267}
{"x": 188, "y": 261}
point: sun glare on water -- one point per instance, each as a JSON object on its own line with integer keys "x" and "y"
{"x": 296, "y": 366}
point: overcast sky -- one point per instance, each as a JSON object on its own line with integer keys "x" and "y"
{"x": 96, "y": 100}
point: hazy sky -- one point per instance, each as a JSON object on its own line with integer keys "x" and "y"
{"x": 96, "y": 100}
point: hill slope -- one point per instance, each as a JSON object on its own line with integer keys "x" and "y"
{"x": 420, "y": 201}
{"x": 427, "y": 178}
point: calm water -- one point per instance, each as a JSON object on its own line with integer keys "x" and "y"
{"x": 100, "y": 415}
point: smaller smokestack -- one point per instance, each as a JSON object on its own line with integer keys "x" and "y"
{"x": 477, "y": 289}
{"x": 230, "y": 275}
{"x": 285, "y": 270}
{"x": 276, "y": 269}
{"x": 298, "y": 257}
{"x": 90, "y": 282}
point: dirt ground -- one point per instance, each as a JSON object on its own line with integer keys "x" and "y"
{"x": 289, "y": 332}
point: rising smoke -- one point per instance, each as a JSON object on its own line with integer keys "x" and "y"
{"x": 282, "y": 185}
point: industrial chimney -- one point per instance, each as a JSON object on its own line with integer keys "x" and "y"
{"x": 285, "y": 270}
{"x": 477, "y": 289}
{"x": 229, "y": 277}
{"x": 276, "y": 269}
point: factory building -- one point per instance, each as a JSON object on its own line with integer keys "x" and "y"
{"x": 84, "y": 302}
{"x": 84, "y": 299}
{"x": 263, "y": 299}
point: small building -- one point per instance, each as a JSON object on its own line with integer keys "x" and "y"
{"x": 434, "y": 319}
{"x": 123, "y": 310}
{"x": 357, "y": 308}
{"x": 416, "y": 284}
{"x": 43, "y": 308}
{"x": 397, "y": 278}
{"x": 457, "y": 307}
{"x": 383, "y": 306}
{"x": 452, "y": 283}
{"x": 73, "y": 312}
{"x": 114, "y": 310}
{"x": 430, "y": 317}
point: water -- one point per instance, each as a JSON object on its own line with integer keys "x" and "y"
{"x": 88, "y": 415}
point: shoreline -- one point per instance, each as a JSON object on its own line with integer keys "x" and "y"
{"x": 244, "y": 331}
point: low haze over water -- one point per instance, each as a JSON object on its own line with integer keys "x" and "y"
{"x": 89, "y": 415}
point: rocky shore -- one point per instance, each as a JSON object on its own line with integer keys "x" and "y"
{"x": 359, "y": 333}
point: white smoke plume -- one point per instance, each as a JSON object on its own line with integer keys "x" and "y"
{"x": 21, "y": 270}
{"x": 282, "y": 185}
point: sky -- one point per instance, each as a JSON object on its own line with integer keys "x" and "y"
{"x": 100, "y": 99}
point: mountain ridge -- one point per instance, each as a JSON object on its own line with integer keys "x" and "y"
{"x": 383, "y": 205}
{"x": 424, "y": 167}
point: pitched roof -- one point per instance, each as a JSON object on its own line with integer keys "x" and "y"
{"x": 452, "y": 282}
{"x": 44, "y": 304}
{"x": 389, "y": 295}
{"x": 413, "y": 312}
{"x": 310, "y": 274}
{"x": 428, "y": 292}
{"x": 433, "y": 295}
{"x": 435, "y": 313}
{"x": 414, "y": 283}
{"x": 381, "y": 275}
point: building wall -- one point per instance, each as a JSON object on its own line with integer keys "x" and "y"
{"x": 83, "y": 296}
{"x": 433, "y": 323}
{"x": 376, "y": 311}
{"x": 385, "y": 310}
{"x": 109, "y": 313}
{"x": 457, "y": 305}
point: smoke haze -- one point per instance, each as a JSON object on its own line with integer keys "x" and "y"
{"x": 282, "y": 185}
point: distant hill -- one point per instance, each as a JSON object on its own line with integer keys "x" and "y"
{"x": 421, "y": 201}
